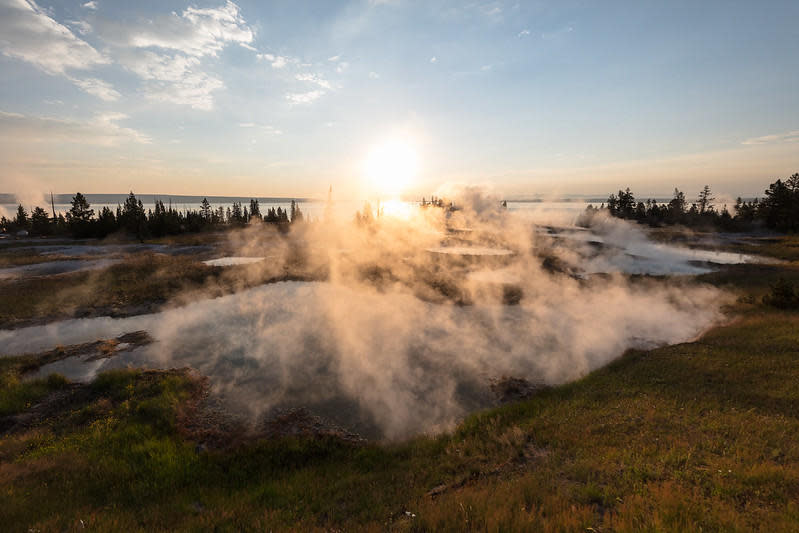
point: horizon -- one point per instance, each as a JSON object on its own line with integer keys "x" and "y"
{"x": 393, "y": 97}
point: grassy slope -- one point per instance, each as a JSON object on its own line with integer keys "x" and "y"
{"x": 702, "y": 434}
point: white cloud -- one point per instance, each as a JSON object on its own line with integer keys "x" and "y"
{"x": 152, "y": 66}
{"x": 82, "y": 26}
{"x": 92, "y": 4}
{"x": 342, "y": 66}
{"x": 194, "y": 89}
{"x": 788, "y": 137}
{"x": 277, "y": 61}
{"x": 176, "y": 73}
{"x": 315, "y": 79}
{"x": 486, "y": 68}
{"x": 247, "y": 125}
{"x": 334, "y": 58}
{"x": 29, "y": 33}
{"x": 97, "y": 87}
{"x": 523, "y": 33}
{"x": 175, "y": 79}
{"x": 305, "y": 97}
{"x": 374, "y": 76}
{"x": 103, "y": 129}
{"x": 196, "y": 32}
{"x": 433, "y": 59}
{"x": 170, "y": 53}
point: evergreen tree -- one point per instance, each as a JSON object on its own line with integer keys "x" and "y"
{"x": 21, "y": 221}
{"x": 79, "y": 217}
{"x": 205, "y": 210}
{"x": 106, "y": 222}
{"x": 705, "y": 200}
{"x": 40, "y": 222}
{"x": 80, "y": 209}
{"x": 255, "y": 209}
{"x": 296, "y": 214}
{"x": 133, "y": 217}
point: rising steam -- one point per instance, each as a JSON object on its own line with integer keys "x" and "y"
{"x": 400, "y": 338}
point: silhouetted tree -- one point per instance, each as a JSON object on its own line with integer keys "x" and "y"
{"x": 296, "y": 214}
{"x": 133, "y": 219}
{"x": 705, "y": 200}
{"x": 106, "y": 222}
{"x": 79, "y": 217}
{"x": 255, "y": 209}
{"x": 21, "y": 221}
{"x": 40, "y": 222}
{"x": 205, "y": 209}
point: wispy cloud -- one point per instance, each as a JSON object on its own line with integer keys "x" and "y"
{"x": 195, "y": 89}
{"x": 788, "y": 137}
{"x": 491, "y": 10}
{"x": 196, "y": 32}
{"x": 97, "y": 87}
{"x": 277, "y": 61}
{"x": 171, "y": 53}
{"x": 315, "y": 79}
{"x": 374, "y": 76}
{"x": 305, "y": 97}
{"x": 82, "y": 26}
{"x": 92, "y": 4}
{"x": 103, "y": 129}
{"x": 523, "y": 33}
{"x": 30, "y": 34}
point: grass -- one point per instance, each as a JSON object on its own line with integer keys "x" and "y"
{"x": 694, "y": 436}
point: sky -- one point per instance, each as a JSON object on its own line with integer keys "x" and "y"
{"x": 285, "y": 98}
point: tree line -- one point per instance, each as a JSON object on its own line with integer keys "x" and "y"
{"x": 131, "y": 218}
{"x": 777, "y": 210}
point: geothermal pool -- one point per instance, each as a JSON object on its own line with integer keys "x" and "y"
{"x": 384, "y": 364}
{"x": 230, "y": 261}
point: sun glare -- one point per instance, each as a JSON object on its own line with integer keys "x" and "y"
{"x": 390, "y": 167}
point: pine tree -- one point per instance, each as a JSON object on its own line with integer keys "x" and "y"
{"x": 705, "y": 200}
{"x": 40, "y": 222}
{"x": 21, "y": 220}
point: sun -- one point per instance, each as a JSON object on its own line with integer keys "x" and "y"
{"x": 391, "y": 166}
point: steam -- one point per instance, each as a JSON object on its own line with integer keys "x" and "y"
{"x": 398, "y": 338}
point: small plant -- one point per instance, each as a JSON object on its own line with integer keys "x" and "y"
{"x": 783, "y": 295}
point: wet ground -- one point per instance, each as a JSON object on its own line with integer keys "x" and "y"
{"x": 375, "y": 362}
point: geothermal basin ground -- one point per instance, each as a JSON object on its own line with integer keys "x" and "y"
{"x": 586, "y": 378}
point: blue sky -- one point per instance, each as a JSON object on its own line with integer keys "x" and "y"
{"x": 284, "y": 98}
